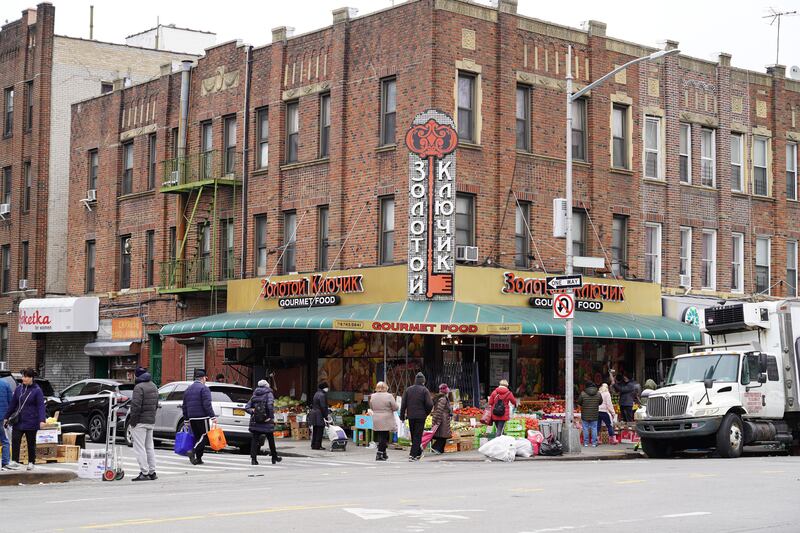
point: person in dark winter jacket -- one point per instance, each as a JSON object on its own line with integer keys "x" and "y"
{"x": 627, "y": 390}
{"x": 504, "y": 395}
{"x": 261, "y": 408}
{"x": 198, "y": 411}
{"x": 589, "y": 402}
{"x": 27, "y": 405}
{"x": 416, "y": 406}
{"x": 142, "y": 419}
{"x": 441, "y": 418}
{"x": 318, "y": 415}
{"x": 5, "y": 401}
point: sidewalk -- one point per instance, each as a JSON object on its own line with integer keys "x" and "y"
{"x": 8, "y": 479}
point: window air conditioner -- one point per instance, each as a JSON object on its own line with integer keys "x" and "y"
{"x": 23, "y": 284}
{"x": 686, "y": 280}
{"x": 173, "y": 179}
{"x": 91, "y": 195}
{"x": 467, "y": 253}
{"x": 5, "y": 209}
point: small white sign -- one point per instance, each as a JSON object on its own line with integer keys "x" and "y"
{"x": 563, "y": 306}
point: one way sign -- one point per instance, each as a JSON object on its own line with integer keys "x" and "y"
{"x": 559, "y": 283}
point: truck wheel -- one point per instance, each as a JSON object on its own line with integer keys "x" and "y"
{"x": 656, "y": 449}
{"x": 730, "y": 437}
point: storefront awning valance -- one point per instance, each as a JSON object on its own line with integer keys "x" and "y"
{"x": 438, "y": 317}
{"x": 112, "y": 348}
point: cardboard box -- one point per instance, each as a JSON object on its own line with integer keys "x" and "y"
{"x": 47, "y": 436}
{"x": 69, "y": 453}
{"x": 465, "y": 445}
{"x": 74, "y": 439}
{"x": 91, "y": 468}
{"x": 301, "y": 434}
{"x": 451, "y": 446}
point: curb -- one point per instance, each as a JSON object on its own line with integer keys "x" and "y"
{"x": 34, "y": 478}
{"x": 567, "y": 457}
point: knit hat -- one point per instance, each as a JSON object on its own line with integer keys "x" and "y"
{"x": 420, "y": 378}
{"x": 323, "y": 385}
{"x": 199, "y": 373}
{"x": 139, "y": 371}
{"x": 263, "y": 383}
{"x": 444, "y": 389}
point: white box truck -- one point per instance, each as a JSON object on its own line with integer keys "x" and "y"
{"x": 741, "y": 388}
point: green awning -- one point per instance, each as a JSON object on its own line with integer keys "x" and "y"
{"x": 531, "y": 321}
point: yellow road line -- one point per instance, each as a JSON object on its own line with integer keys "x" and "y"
{"x": 629, "y": 481}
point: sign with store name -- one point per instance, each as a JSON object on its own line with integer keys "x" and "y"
{"x": 563, "y": 306}
{"x": 545, "y": 302}
{"x": 428, "y": 327}
{"x": 126, "y": 328}
{"x": 573, "y": 281}
{"x": 51, "y": 315}
{"x": 309, "y": 301}
{"x": 316, "y": 285}
{"x": 513, "y": 284}
{"x": 431, "y": 142}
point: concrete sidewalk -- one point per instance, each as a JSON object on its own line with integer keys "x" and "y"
{"x": 23, "y": 477}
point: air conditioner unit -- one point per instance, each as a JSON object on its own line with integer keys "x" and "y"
{"x": 559, "y": 218}
{"x": 173, "y": 178}
{"x": 3, "y": 365}
{"x": 91, "y": 195}
{"x": 5, "y": 209}
{"x": 23, "y": 284}
{"x": 467, "y": 253}
{"x": 686, "y": 280}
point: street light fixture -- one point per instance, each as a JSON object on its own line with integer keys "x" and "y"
{"x": 568, "y": 436}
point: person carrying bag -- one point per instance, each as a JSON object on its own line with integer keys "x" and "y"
{"x": 197, "y": 409}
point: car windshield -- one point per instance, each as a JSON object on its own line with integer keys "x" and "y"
{"x": 722, "y": 367}
{"x": 230, "y": 394}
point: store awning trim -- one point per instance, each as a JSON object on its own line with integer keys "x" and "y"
{"x": 532, "y": 321}
{"x": 112, "y": 348}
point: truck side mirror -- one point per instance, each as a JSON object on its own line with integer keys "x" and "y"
{"x": 762, "y": 363}
{"x": 762, "y": 378}
{"x": 708, "y": 382}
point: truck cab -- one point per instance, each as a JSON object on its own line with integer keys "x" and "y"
{"x": 738, "y": 389}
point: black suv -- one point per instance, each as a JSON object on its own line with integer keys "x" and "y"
{"x": 83, "y": 406}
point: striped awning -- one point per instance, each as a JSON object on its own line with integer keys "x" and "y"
{"x": 526, "y": 320}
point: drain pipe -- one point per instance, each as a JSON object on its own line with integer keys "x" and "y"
{"x": 246, "y": 155}
{"x": 183, "y": 120}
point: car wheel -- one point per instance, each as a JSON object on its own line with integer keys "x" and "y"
{"x": 128, "y": 436}
{"x": 97, "y": 428}
{"x": 730, "y": 437}
{"x": 656, "y": 449}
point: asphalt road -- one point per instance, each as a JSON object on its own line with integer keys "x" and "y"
{"x": 346, "y": 492}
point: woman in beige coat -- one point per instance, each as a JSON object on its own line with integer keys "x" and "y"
{"x": 383, "y": 407}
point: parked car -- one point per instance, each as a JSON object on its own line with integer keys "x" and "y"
{"x": 15, "y": 378}
{"x": 83, "y": 406}
{"x": 228, "y": 402}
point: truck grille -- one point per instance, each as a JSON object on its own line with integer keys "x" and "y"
{"x": 662, "y": 406}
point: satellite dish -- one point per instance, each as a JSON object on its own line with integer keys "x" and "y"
{"x": 794, "y": 72}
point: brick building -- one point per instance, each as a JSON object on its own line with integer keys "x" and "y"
{"x": 41, "y": 75}
{"x": 293, "y": 157}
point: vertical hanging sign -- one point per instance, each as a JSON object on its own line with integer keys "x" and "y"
{"x": 432, "y": 141}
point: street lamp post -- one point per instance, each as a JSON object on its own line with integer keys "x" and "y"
{"x": 569, "y": 437}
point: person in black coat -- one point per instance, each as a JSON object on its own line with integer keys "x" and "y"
{"x": 417, "y": 405}
{"x": 318, "y": 415}
{"x": 262, "y": 421}
{"x": 197, "y": 409}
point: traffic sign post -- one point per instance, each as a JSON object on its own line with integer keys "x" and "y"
{"x": 560, "y": 283}
{"x": 564, "y": 306}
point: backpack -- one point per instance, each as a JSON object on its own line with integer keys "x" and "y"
{"x": 260, "y": 412}
{"x": 499, "y": 408}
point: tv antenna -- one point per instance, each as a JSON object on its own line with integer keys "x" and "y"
{"x": 777, "y": 15}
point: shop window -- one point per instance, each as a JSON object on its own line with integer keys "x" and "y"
{"x": 388, "y": 111}
{"x": 619, "y": 246}
{"x": 523, "y": 118}
{"x": 151, "y": 161}
{"x": 521, "y": 235}
{"x": 652, "y": 252}
{"x": 8, "y": 99}
{"x": 93, "y": 168}
{"x": 289, "y": 242}
{"x": 763, "y": 253}
{"x": 466, "y": 107}
{"x": 324, "y": 125}
{"x": 292, "y": 131}
{"x": 27, "y": 186}
{"x": 386, "y": 252}
{"x": 261, "y": 245}
{"x": 150, "y": 257}
{"x": 125, "y": 262}
{"x": 737, "y": 262}
{"x": 262, "y": 117}
{"x": 90, "y": 267}
{"x": 791, "y": 171}
{"x": 579, "y": 129}
{"x": 791, "y": 268}
{"x": 206, "y": 150}
{"x": 652, "y": 147}
{"x": 708, "y": 159}
{"x": 737, "y": 162}
{"x": 760, "y": 178}
{"x": 465, "y": 220}
{"x": 686, "y": 258}
{"x": 127, "y": 168}
{"x": 322, "y": 255}
{"x": 685, "y": 153}
{"x": 619, "y": 137}
{"x": 229, "y": 155}
{"x": 708, "y": 275}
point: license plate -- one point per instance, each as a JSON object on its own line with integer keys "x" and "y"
{"x": 239, "y": 412}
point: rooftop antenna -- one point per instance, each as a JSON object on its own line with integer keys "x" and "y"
{"x": 91, "y": 23}
{"x": 777, "y": 15}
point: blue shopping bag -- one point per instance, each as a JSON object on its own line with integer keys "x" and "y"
{"x": 184, "y": 441}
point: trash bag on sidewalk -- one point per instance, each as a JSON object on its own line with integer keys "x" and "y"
{"x": 501, "y": 448}
{"x": 524, "y": 448}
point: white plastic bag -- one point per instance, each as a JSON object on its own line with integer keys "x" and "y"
{"x": 400, "y": 427}
{"x": 524, "y": 448}
{"x": 501, "y": 448}
{"x": 336, "y": 433}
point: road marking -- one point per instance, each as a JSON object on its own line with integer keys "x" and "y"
{"x": 683, "y": 515}
{"x": 697, "y": 476}
{"x": 527, "y": 490}
{"x": 435, "y": 516}
{"x": 773, "y": 471}
{"x": 629, "y": 481}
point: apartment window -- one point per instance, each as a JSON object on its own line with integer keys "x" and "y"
{"x": 262, "y": 116}
{"x": 465, "y": 220}
{"x": 26, "y": 191}
{"x": 388, "y": 111}
{"x": 29, "y": 106}
{"x": 261, "y": 245}
{"x": 4, "y": 342}
{"x": 228, "y": 263}
{"x": 521, "y": 239}
{"x": 619, "y": 245}
{"x": 206, "y": 150}
{"x": 760, "y": 185}
{"x": 90, "y": 259}
{"x": 386, "y": 252}
{"x": 150, "y": 257}
{"x": 229, "y": 133}
{"x": 324, "y": 125}
{"x": 466, "y": 107}
{"x": 93, "y": 166}
{"x": 125, "y": 262}
{"x": 323, "y": 238}
{"x": 652, "y": 147}
{"x": 686, "y": 258}
{"x": 106, "y": 87}
{"x": 7, "y": 185}
{"x": 737, "y": 262}
{"x": 579, "y": 129}
{"x": 652, "y": 252}
{"x": 204, "y": 238}
{"x": 685, "y": 153}
{"x": 289, "y": 241}
{"x": 8, "y": 127}
{"x": 127, "y": 166}
{"x": 292, "y": 131}
{"x": 737, "y": 162}
{"x": 523, "y": 118}
{"x": 791, "y": 171}
{"x": 24, "y": 254}
{"x": 762, "y": 265}
{"x": 619, "y": 134}
{"x": 151, "y": 162}
{"x": 708, "y": 275}
{"x": 173, "y": 243}
{"x": 174, "y": 154}
{"x": 791, "y": 268}
{"x": 5, "y": 252}
{"x": 708, "y": 160}
{"x": 578, "y": 235}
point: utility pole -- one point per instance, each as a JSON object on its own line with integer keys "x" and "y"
{"x": 776, "y": 16}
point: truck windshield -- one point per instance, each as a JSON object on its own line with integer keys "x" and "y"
{"x": 722, "y": 367}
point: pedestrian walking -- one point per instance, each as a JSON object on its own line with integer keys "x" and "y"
{"x": 500, "y": 402}
{"x": 627, "y": 395}
{"x": 589, "y": 401}
{"x": 442, "y": 412}
{"x": 261, "y": 408}
{"x": 198, "y": 411}
{"x": 142, "y": 419}
{"x": 383, "y": 406}
{"x": 5, "y": 402}
{"x": 26, "y": 416}
{"x": 318, "y": 415}
{"x": 606, "y": 413}
{"x": 416, "y": 405}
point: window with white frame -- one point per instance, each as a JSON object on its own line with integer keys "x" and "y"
{"x": 523, "y": 118}
{"x": 686, "y": 257}
{"x": 619, "y": 245}
{"x": 652, "y": 252}
{"x": 762, "y": 264}
{"x": 708, "y": 162}
{"x": 521, "y": 239}
{"x": 760, "y": 180}
{"x": 737, "y": 262}
{"x": 467, "y": 107}
{"x": 619, "y": 136}
{"x": 737, "y": 162}
{"x": 791, "y": 171}
{"x": 708, "y": 274}
{"x": 686, "y": 153}
{"x": 652, "y": 147}
{"x": 791, "y": 268}
{"x": 579, "y": 129}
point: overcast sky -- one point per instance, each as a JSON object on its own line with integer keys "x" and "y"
{"x": 703, "y": 27}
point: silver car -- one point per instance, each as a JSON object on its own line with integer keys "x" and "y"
{"x": 227, "y": 400}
